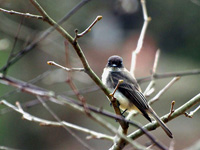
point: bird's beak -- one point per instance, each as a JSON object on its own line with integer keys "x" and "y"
{"x": 114, "y": 65}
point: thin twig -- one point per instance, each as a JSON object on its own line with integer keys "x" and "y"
{"x": 27, "y": 15}
{"x": 78, "y": 35}
{"x": 152, "y": 83}
{"x": 169, "y": 74}
{"x": 119, "y": 82}
{"x": 171, "y": 109}
{"x": 155, "y": 98}
{"x": 66, "y": 69}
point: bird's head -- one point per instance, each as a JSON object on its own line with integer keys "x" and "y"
{"x": 115, "y": 62}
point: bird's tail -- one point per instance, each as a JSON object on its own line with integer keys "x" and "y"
{"x": 161, "y": 123}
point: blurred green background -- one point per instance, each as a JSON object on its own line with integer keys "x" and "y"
{"x": 175, "y": 29}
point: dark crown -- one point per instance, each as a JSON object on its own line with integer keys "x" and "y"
{"x": 115, "y": 61}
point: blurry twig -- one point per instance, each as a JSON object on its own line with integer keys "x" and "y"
{"x": 141, "y": 38}
{"x": 7, "y": 148}
{"x": 190, "y": 115}
{"x": 169, "y": 74}
{"x": 171, "y": 146}
{"x": 155, "y": 98}
{"x": 27, "y": 15}
{"x": 151, "y": 84}
{"x": 119, "y": 82}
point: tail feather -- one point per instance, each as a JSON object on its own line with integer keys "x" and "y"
{"x": 161, "y": 123}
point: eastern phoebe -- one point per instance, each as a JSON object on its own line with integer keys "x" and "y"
{"x": 128, "y": 93}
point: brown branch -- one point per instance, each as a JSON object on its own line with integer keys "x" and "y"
{"x": 119, "y": 82}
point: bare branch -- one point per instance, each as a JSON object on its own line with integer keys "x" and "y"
{"x": 27, "y": 15}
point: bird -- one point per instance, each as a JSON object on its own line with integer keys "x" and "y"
{"x": 128, "y": 93}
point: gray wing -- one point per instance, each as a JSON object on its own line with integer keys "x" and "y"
{"x": 130, "y": 89}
